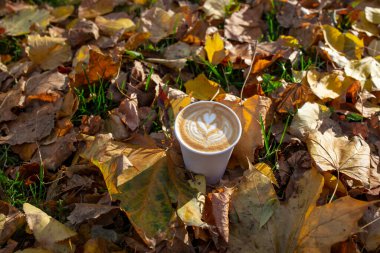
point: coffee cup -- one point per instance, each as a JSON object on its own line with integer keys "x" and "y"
{"x": 207, "y": 132}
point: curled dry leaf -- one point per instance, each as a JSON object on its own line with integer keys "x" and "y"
{"x": 160, "y": 23}
{"x": 333, "y": 153}
{"x": 367, "y": 71}
{"x": 8, "y": 101}
{"x": 245, "y": 24}
{"x": 20, "y": 22}
{"x": 294, "y": 96}
{"x": 50, "y": 233}
{"x": 48, "y": 52}
{"x": 147, "y": 184}
{"x": 203, "y": 88}
{"x": 249, "y": 113}
{"x": 308, "y": 118}
{"x": 11, "y": 219}
{"x": 128, "y": 113}
{"x": 84, "y": 211}
{"x": 84, "y": 30}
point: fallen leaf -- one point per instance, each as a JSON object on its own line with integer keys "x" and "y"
{"x": 61, "y": 13}
{"x": 93, "y": 8}
{"x": 249, "y": 113}
{"x": 48, "y": 52}
{"x": 147, "y": 184}
{"x": 294, "y": 96}
{"x": 366, "y": 71}
{"x": 215, "y": 9}
{"x": 361, "y": 24}
{"x": 50, "y": 233}
{"x": 308, "y": 119}
{"x": 111, "y": 26}
{"x": 346, "y": 43}
{"x": 159, "y": 23}
{"x": 245, "y": 24}
{"x": 203, "y": 88}
{"x": 328, "y": 85}
{"x": 136, "y": 40}
{"x": 100, "y": 66}
{"x": 372, "y": 14}
{"x": 179, "y": 103}
{"x": 266, "y": 171}
{"x": 29, "y": 126}
{"x": 332, "y": 182}
{"x": 214, "y": 47}
{"x": 83, "y": 31}
{"x": 11, "y": 219}
{"x": 34, "y": 250}
{"x": 371, "y": 236}
{"x": 374, "y": 48}
{"x": 84, "y": 212}
{"x": 20, "y": 22}
{"x": 295, "y": 226}
{"x": 9, "y": 101}
{"x": 219, "y": 202}
{"x": 334, "y": 153}
{"x": 128, "y": 113}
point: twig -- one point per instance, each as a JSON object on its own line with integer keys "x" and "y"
{"x": 249, "y": 71}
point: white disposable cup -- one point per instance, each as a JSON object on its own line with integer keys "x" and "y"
{"x": 210, "y": 164}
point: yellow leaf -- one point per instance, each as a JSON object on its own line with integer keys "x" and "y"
{"x": 346, "y": 43}
{"x": 328, "y": 85}
{"x": 333, "y": 182}
{"x": 179, "y": 103}
{"x": 111, "y": 26}
{"x": 289, "y": 41}
{"x": 249, "y": 114}
{"x": 202, "y": 88}
{"x": 267, "y": 171}
{"x": 48, "y": 52}
{"x": 214, "y": 47}
{"x": 372, "y": 14}
{"x": 61, "y": 13}
{"x": 49, "y": 233}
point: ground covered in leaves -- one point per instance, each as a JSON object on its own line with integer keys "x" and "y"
{"x": 89, "y": 92}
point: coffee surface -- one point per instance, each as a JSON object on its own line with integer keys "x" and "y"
{"x": 207, "y": 127}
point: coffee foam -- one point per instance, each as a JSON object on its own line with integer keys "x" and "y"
{"x": 207, "y": 127}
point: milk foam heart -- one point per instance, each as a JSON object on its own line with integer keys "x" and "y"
{"x": 207, "y": 127}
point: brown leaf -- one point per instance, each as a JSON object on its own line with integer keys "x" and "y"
{"x": 11, "y": 219}
{"x": 128, "y": 113}
{"x": 159, "y": 23}
{"x": 8, "y": 101}
{"x": 84, "y": 211}
{"x": 294, "y": 96}
{"x": 100, "y": 66}
{"x": 94, "y": 8}
{"x": 249, "y": 114}
{"x": 333, "y": 153}
{"x": 83, "y": 31}
{"x": 29, "y": 126}
{"x": 245, "y": 24}
{"x": 371, "y": 236}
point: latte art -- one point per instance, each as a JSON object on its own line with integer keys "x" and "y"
{"x": 207, "y": 128}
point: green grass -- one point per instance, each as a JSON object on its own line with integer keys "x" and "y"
{"x": 274, "y": 29}
{"x": 93, "y": 100}
{"x": 7, "y": 157}
{"x": 271, "y": 147}
{"x": 11, "y": 46}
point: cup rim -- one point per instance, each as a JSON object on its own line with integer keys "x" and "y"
{"x": 179, "y": 137}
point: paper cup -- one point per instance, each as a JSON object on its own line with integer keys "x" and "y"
{"x": 210, "y": 164}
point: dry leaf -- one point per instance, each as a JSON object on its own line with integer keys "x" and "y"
{"x": 295, "y": 226}
{"x": 50, "y": 233}
{"x": 20, "y": 22}
{"x": 372, "y": 14}
{"x": 361, "y": 24}
{"x": 128, "y": 113}
{"x": 147, "y": 184}
{"x": 328, "y": 85}
{"x": 48, "y": 52}
{"x": 61, "y": 13}
{"x": 11, "y": 219}
{"x": 367, "y": 71}
{"x": 346, "y": 43}
{"x": 84, "y": 30}
{"x": 94, "y": 8}
{"x": 84, "y": 212}
{"x": 245, "y": 24}
{"x": 249, "y": 114}
{"x": 294, "y": 96}
{"x": 333, "y": 153}
{"x": 202, "y": 88}
{"x": 214, "y": 47}
{"x": 266, "y": 171}
{"x": 159, "y": 23}
{"x": 215, "y": 9}
{"x": 9, "y": 101}
{"x": 112, "y": 26}
{"x": 371, "y": 236}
